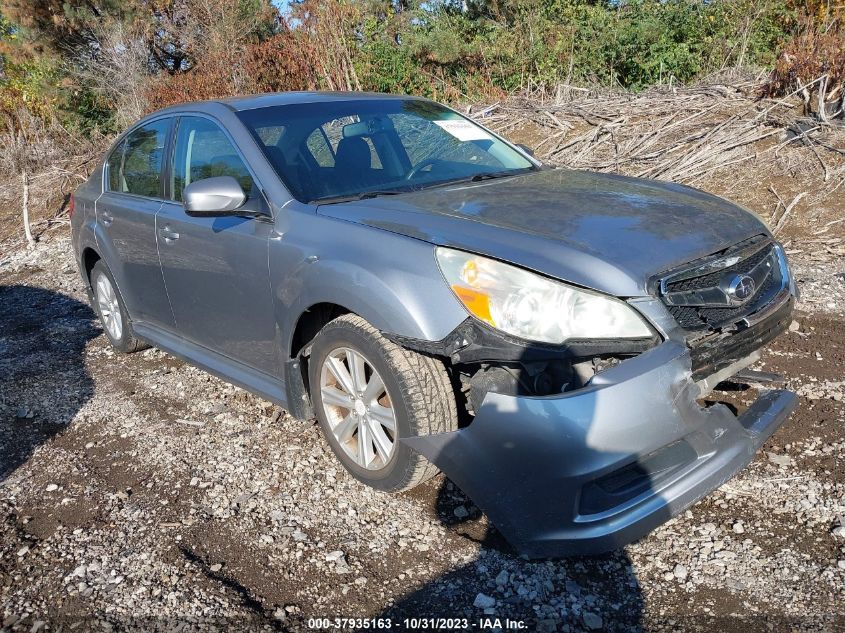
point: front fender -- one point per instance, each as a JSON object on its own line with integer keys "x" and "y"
{"x": 390, "y": 280}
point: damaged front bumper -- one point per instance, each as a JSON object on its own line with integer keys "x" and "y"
{"x": 591, "y": 470}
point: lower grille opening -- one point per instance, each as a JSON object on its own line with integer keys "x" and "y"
{"x": 636, "y": 478}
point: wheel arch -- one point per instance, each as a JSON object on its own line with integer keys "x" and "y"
{"x": 88, "y": 259}
{"x": 102, "y": 245}
{"x": 310, "y": 322}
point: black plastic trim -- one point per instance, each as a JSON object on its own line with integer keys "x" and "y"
{"x": 753, "y": 243}
{"x": 296, "y": 391}
{"x": 718, "y": 351}
{"x": 476, "y": 342}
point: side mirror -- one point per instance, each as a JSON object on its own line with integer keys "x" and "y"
{"x": 213, "y": 197}
{"x": 525, "y": 149}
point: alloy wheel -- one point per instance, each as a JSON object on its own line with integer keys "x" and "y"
{"x": 109, "y": 307}
{"x": 358, "y": 408}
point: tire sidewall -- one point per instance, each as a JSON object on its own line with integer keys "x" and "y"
{"x": 329, "y": 339}
{"x": 121, "y": 343}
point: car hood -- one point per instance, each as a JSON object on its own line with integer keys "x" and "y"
{"x": 603, "y": 231}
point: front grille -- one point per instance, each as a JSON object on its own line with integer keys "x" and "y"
{"x": 717, "y": 316}
{"x": 709, "y": 276}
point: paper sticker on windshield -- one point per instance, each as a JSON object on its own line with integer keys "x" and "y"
{"x": 463, "y": 130}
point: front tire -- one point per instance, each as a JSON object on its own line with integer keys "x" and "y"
{"x": 368, "y": 393}
{"x": 108, "y": 303}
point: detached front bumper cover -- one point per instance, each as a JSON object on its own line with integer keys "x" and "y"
{"x": 595, "y": 469}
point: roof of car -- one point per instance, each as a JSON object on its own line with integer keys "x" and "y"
{"x": 250, "y": 102}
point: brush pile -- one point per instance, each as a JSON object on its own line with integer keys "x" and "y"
{"x": 682, "y": 134}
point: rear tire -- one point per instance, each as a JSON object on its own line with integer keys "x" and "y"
{"x": 109, "y": 306}
{"x": 357, "y": 378}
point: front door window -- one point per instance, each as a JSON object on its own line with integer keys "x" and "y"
{"x": 204, "y": 151}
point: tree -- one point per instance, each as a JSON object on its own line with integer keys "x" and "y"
{"x": 213, "y": 40}
{"x": 62, "y": 25}
{"x": 330, "y": 28}
{"x": 114, "y": 67}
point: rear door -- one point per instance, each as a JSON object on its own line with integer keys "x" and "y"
{"x": 126, "y": 211}
{"x": 216, "y": 269}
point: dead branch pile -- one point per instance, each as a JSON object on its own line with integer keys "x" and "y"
{"x": 48, "y": 187}
{"x": 678, "y": 134}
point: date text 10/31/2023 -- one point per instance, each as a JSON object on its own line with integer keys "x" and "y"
{"x": 416, "y": 624}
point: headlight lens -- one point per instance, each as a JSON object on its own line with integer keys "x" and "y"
{"x": 785, "y": 270}
{"x": 533, "y": 307}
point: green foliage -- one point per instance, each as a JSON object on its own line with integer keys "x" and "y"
{"x": 29, "y": 84}
{"x": 383, "y": 65}
{"x": 445, "y": 49}
{"x": 82, "y": 110}
{"x": 635, "y": 44}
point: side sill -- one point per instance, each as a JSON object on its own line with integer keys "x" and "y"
{"x": 223, "y": 367}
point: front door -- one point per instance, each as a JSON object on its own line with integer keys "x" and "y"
{"x": 126, "y": 212}
{"x": 216, "y": 269}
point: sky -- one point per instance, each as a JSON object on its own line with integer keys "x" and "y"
{"x": 283, "y": 5}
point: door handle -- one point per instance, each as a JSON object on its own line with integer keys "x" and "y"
{"x": 168, "y": 235}
{"x": 106, "y": 217}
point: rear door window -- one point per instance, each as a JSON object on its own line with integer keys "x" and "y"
{"x": 135, "y": 165}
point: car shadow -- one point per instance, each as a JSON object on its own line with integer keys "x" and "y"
{"x": 500, "y": 588}
{"x": 517, "y": 478}
{"x": 43, "y": 379}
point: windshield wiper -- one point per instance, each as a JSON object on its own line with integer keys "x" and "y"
{"x": 479, "y": 177}
{"x": 364, "y": 195}
{"x": 495, "y": 174}
{"x": 374, "y": 193}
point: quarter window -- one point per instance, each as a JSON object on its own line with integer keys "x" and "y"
{"x": 204, "y": 151}
{"x": 115, "y": 164}
{"x": 135, "y": 165}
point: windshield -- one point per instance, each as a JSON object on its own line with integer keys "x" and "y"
{"x": 332, "y": 150}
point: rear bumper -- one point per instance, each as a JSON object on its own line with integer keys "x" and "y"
{"x": 594, "y": 469}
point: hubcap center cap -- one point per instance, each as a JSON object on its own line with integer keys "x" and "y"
{"x": 360, "y": 408}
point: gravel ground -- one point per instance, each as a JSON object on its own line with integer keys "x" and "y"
{"x": 139, "y": 492}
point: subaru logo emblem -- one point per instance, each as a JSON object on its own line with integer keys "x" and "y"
{"x": 740, "y": 289}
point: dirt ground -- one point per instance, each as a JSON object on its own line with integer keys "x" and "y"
{"x": 139, "y": 492}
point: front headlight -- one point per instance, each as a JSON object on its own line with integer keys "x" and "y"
{"x": 785, "y": 271}
{"x": 533, "y": 307}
